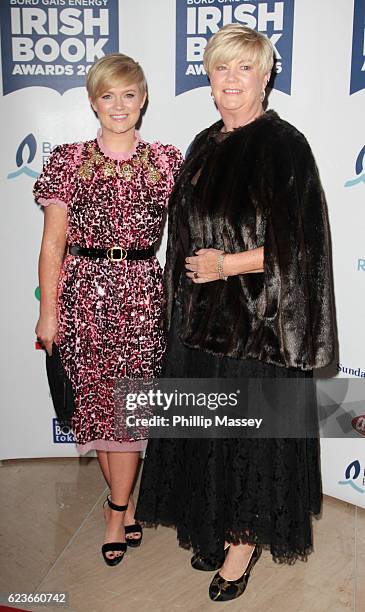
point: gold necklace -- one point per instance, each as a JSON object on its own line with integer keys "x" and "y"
{"x": 126, "y": 170}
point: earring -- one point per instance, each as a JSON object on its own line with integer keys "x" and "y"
{"x": 262, "y": 97}
{"x": 212, "y": 96}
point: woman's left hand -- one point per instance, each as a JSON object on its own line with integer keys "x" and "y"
{"x": 202, "y": 267}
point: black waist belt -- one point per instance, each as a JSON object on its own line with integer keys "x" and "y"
{"x": 115, "y": 253}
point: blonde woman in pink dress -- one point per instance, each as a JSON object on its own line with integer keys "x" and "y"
{"x": 100, "y": 282}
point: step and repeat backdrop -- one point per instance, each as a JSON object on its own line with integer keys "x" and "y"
{"x": 47, "y": 47}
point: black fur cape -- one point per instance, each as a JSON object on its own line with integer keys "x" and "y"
{"x": 257, "y": 187}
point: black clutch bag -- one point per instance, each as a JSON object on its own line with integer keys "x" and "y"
{"x": 59, "y": 386}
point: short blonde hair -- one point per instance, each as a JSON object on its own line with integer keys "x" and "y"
{"x": 112, "y": 69}
{"x": 235, "y": 41}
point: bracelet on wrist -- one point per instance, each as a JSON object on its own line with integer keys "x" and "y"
{"x": 220, "y": 261}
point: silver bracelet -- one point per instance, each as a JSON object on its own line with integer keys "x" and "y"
{"x": 220, "y": 260}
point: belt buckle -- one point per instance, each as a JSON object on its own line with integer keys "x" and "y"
{"x": 114, "y": 257}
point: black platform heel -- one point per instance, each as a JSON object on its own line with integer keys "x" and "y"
{"x": 221, "y": 589}
{"x": 204, "y": 564}
{"x": 135, "y": 528}
{"x": 114, "y": 546}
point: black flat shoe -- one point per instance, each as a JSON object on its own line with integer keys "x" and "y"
{"x": 204, "y": 564}
{"x": 221, "y": 589}
{"x": 135, "y": 528}
{"x": 114, "y": 546}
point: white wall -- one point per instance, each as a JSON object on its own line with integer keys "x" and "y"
{"x": 319, "y": 104}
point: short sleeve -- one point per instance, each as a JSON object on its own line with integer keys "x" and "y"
{"x": 54, "y": 184}
{"x": 168, "y": 158}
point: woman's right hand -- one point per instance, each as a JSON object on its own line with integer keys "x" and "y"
{"x": 46, "y": 330}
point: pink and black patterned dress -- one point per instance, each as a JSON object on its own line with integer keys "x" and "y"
{"x": 109, "y": 312}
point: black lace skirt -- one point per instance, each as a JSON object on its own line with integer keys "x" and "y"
{"x": 215, "y": 490}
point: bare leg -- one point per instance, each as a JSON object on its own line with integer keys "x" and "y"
{"x": 122, "y": 470}
{"x": 129, "y": 515}
{"x": 237, "y": 559}
{"x": 104, "y": 465}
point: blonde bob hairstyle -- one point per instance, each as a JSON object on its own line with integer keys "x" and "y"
{"x": 112, "y": 70}
{"x": 235, "y": 41}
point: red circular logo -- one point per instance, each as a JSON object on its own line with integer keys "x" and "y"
{"x": 358, "y": 423}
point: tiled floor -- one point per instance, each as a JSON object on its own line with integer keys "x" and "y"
{"x": 52, "y": 528}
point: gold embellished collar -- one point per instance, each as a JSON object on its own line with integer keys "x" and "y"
{"x": 111, "y": 168}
